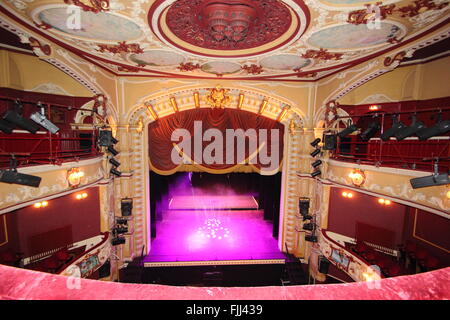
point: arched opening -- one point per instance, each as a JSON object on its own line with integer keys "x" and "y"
{"x": 215, "y": 187}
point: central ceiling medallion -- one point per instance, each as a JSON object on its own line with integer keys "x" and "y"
{"x": 228, "y": 20}
{"x": 228, "y": 25}
{"x": 229, "y": 28}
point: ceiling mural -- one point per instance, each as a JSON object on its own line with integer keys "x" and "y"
{"x": 293, "y": 40}
{"x": 157, "y": 58}
{"x": 354, "y": 37}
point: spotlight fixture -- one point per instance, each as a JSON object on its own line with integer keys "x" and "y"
{"x": 105, "y": 138}
{"x": 41, "y": 119}
{"x": 441, "y": 127}
{"x": 396, "y": 127}
{"x": 370, "y": 131}
{"x": 115, "y": 172}
{"x": 316, "y": 173}
{"x": 315, "y": 153}
{"x": 120, "y": 230}
{"x": 15, "y": 117}
{"x": 303, "y": 205}
{"x": 126, "y": 206}
{"x": 308, "y": 226}
{"x": 316, "y": 163}
{"x": 114, "y": 162}
{"x": 14, "y": 177}
{"x": 122, "y": 221}
{"x": 315, "y": 142}
{"x": 311, "y": 238}
{"x": 412, "y": 129}
{"x": 436, "y": 179}
{"x": 118, "y": 240}
{"x": 350, "y": 129}
{"x": 329, "y": 141}
{"x": 113, "y": 151}
{"x": 6, "y": 127}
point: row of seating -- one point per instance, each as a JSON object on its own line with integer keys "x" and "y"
{"x": 50, "y": 264}
{"x": 413, "y": 259}
{"x": 388, "y": 266}
{"x": 419, "y": 258}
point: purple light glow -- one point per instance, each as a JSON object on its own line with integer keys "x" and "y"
{"x": 183, "y": 236}
{"x": 196, "y": 225}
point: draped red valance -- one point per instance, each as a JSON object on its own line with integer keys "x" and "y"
{"x": 215, "y": 133}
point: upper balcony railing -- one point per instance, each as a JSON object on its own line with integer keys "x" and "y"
{"x": 408, "y": 153}
{"x": 43, "y": 147}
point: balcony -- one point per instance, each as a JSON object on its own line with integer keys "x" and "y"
{"x": 73, "y": 141}
{"x": 407, "y": 152}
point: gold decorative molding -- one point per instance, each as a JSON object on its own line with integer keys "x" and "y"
{"x": 218, "y": 97}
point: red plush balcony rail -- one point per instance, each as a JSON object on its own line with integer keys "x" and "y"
{"x": 18, "y": 283}
{"x": 410, "y": 153}
{"x": 72, "y": 142}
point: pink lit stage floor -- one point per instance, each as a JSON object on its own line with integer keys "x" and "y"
{"x": 234, "y": 202}
{"x": 206, "y": 237}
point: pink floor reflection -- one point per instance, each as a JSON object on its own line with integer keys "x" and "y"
{"x": 204, "y": 235}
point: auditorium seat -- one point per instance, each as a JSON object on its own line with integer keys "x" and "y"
{"x": 63, "y": 255}
{"x": 394, "y": 270}
{"x": 51, "y": 264}
{"x": 431, "y": 263}
{"x": 360, "y": 248}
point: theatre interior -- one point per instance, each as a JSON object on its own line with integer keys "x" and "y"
{"x": 211, "y": 149}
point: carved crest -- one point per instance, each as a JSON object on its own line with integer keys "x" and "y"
{"x": 218, "y": 97}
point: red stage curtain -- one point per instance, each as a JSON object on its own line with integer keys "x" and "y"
{"x": 161, "y": 145}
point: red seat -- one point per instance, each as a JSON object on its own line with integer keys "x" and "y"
{"x": 421, "y": 255}
{"x": 431, "y": 262}
{"x": 370, "y": 256}
{"x": 51, "y": 263}
{"x": 8, "y": 257}
{"x": 62, "y": 255}
{"x": 393, "y": 270}
{"x": 360, "y": 248}
{"x": 411, "y": 247}
{"x": 384, "y": 263}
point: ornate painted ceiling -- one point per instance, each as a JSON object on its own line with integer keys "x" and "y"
{"x": 289, "y": 40}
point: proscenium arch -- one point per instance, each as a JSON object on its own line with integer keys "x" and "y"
{"x": 138, "y": 119}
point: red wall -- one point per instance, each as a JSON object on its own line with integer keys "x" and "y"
{"x": 345, "y": 213}
{"x": 65, "y": 220}
{"x": 432, "y": 233}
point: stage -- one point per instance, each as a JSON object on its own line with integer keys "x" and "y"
{"x": 235, "y": 202}
{"x": 213, "y": 230}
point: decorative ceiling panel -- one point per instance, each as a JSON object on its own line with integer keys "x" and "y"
{"x": 291, "y": 40}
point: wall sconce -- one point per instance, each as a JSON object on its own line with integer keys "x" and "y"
{"x": 385, "y": 202}
{"x": 74, "y": 176}
{"x": 346, "y": 194}
{"x": 358, "y": 177}
{"x": 81, "y": 196}
{"x": 42, "y": 204}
